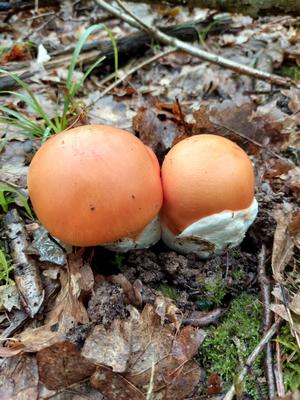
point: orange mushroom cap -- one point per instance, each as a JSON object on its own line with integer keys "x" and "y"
{"x": 204, "y": 175}
{"x": 94, "y": 184}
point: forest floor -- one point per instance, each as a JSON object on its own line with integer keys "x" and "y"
{"x": 152, "y": 324}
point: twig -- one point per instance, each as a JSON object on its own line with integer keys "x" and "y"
{"x": 26, "y": 271}
{"x": 132, "y": 71}
{"x": 258, "y": 349}
{"x": 195, "y": 51}
{"x": 266, "y": 300}
{"x": 278, "y": 367}
{"x": 252, "y": 141}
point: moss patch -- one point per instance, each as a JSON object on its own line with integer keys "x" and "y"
{"x": 227, "y": 346}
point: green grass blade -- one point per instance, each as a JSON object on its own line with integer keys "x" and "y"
{"x": 37, "y": 105}
{"x": 6, "y": 188}
{"x": 115, "y": 48}
{"x": 90, "y": 69}
{"x": 77, "y": 51}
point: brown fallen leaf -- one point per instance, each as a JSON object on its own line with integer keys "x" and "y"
{"x": 214, "y": 384}
{"x": 295, "y": 303}
{"x": 281, "y": 310}
{"x": 114, "y": 386}
{"x": 61, "y": 365}
{"x": 141, "y": 349}
{"x": 18, "y": 52}
{"x": 109, "y": 346}
{"x": 19, "y": 378}
{"x": 283, "y": 244}
{"x": 68, "y": 310}
{"x": 157, "y": 128}
{"x": 187, "y": 343}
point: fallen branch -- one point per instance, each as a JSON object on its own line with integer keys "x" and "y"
{"x": 266, "y": 300}
{"x": 126, "y": 15}
{"x": 249, "y": 7}
{"x": 26, "y": 272}
{"x": 16, "y": 6}
{"x": 130, "y": 46}
{"x": 132, "y": 71}
{"x": 255, "y": 353}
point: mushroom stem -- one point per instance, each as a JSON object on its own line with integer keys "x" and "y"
{"x": 213, "y": 234}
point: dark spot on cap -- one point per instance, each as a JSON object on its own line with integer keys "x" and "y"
{"x": 133, "y": 196}
{"x": 92, "y": 208}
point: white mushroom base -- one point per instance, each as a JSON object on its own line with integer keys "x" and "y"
{"x": 148, "y": 237}
{"x": 213, "y": 234}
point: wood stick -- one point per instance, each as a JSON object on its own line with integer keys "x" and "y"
{"x": 254, "y": 8}
{"x": 258, "y": 349}
{"x": 195, "y": 51}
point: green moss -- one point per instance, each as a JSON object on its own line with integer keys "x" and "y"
{"x": 5, "y": 269}
{"x": 214, "y": 290}
{"x": 227, "y": 346}
{"x": 168, "y": 291}
{"x": 290, "y": 71}
{"x": 118, "y": 261}
{"x": 290, "y": 359}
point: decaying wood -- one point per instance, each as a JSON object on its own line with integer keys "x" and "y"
{"x": 266, "y": 301}
{"x": 134, "y": 45}
{"x": 126, "y": 15}
{"x": 15, "y": 6}
{"x": 254, "y": 8}
{"x": 26, "y": 271}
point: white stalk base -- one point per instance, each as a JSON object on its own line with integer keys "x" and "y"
{"x": 148, "y": 237}
{"x": 213, "y": 234}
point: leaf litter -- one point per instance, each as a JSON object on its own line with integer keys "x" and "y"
{"x": 118, "y": 335}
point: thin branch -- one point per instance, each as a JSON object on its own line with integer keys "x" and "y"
{"x": 195, "y": 51}
{"x": 278, "y": 366}
{"x": 258, "y": 349}
{"x": 132, "y": 71}
{"x": 266, "y": 300}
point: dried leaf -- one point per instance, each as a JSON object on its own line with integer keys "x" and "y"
{"x": 283, "y": 245}
{"x": 109, "y": 346}
{"x": 61, "y": 365}
{"x": 157, "y": 128}
{"x": 294, "y": 305}
{"x": 9, "y": 297}
{"x": 280, "y": 310}
{"x": 19, "y": 378}
{"x": 187, "y": 343}
{"x": 114, "y": 386}
{"x": 67, "y": 311}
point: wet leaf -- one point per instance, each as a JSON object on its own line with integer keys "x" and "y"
{"x": 157, "y": 128}
{"x": 283, "y": 245}
{"x": 61, "y": 365}
{"x": 9, "y": 297}
{"x": 19, "y": 378}
{"x": 115, "y": 386}
{"x": 109, "y": 346}
{"x": 68, "y": 310}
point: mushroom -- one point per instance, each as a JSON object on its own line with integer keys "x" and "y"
{"x": 97, "y": 185}
{"x": 209, "y": 203}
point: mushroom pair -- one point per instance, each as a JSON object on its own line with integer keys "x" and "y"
{"x": 98, "y": 185}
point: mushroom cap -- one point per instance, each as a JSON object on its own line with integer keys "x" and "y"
{"x": 94, "y": 184}
{"x": 204, "y": 175}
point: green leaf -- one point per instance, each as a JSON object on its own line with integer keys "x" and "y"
{"x": 4, "y": 202}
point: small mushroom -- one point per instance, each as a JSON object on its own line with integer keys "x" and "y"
{"x": 97, "y": 185}
{"x": 209, "y": 203}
